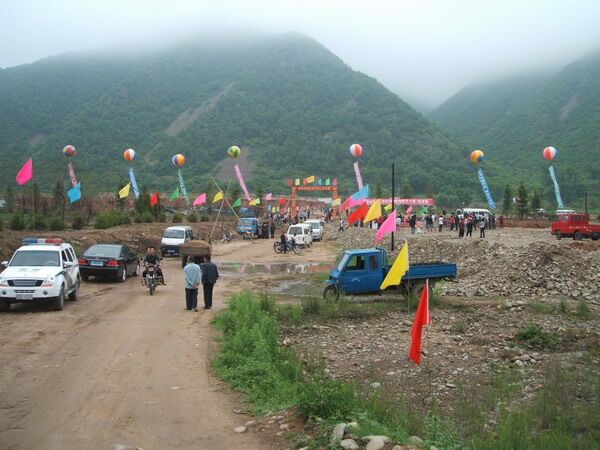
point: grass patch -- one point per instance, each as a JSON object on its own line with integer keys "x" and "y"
{"x": 535, "y": 337}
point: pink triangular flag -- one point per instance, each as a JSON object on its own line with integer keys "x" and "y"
{"x": 26, "y": 173}
{"x": 269, "y": 197}
{"x": 200, "y": 200}
{"x": 387, "y": 227}
{"x": 409, "y": 209}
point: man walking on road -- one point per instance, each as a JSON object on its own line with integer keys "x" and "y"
{"x": 192, "y": 277}
{"x": 210, "y": 274}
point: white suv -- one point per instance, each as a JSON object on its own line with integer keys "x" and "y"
{"x": 42, "y": 269}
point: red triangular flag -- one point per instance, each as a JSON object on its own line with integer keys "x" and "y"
{"x": 421, "y": 319}
{"x": 360, "y": 213}
{"x": 154, "y": 199}
{"x": 26, "y": 173}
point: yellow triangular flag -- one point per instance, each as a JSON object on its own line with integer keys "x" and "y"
{"x": 399, "y": 268}
{"x": 336, "y": 202}
{"x": 124, "y": 193}
{"x": 218, "y": 196}
{"x": 374, "y": 212}
{"x": 310, "y": 179}
{"x": 388, "y": 208}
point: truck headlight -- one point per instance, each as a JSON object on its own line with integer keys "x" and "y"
{"x": 48, "y": 282}
{"x": 3, "y": 281}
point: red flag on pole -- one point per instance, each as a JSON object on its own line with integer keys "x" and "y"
{"x": 360, "y": 213}
{"x": 421, "y": 319}
{"x": 154, "y": 199}
{"x": 26, "y": 173}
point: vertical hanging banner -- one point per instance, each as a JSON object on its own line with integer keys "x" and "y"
{"x": 486, "y": 189}
{"x": 559, "y": 201}
{"x": 134, "y": 185}
{"x": 72, "y": 174}
{"x": 359, "y": 180}
{"x": 238, "y": 173}
{"x": 182, "y": 187}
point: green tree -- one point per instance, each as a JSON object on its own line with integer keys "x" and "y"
{"x": 507, "y": 200}
{"x": 406, "y": 191}
{"x": 429, "y": 189}
{"x": 522, "y": 200}
{"x": 536, "y": 201}
{"x": 58, "y": 198}
{"x": 378, "y": 190}
{"x": 9, "y": 197}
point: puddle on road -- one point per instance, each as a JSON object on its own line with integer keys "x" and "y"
{"x": 228, "y": 268}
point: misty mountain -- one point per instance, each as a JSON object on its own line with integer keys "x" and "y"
{"x": 513, "y": 119}
{"x": 291, "y": 105}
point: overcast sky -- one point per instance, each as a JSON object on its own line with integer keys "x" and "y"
{"x": 425, "y": 50}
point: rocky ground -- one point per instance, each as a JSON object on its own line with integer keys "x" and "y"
{"x": 513, "y": 279}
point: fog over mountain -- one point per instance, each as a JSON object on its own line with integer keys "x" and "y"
{"x": 425, "y": 51}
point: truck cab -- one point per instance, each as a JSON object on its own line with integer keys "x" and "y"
{"x": 576, "y": 226}
{"x": 247, "y": 225}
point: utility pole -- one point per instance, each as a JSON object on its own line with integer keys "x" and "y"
{"x": 393, "y": 200}
{"x": 585, "y": 201}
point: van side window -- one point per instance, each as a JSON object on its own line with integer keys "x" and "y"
{"x": 65, "y": 256}
{"x": 357, "y": 262}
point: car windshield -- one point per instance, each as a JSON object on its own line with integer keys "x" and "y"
{"x": 315, "y": 225}
{"x": 174, "y": 234}
{"x": 295, "y": 230}
{"x": 342, "y": 262}
{"x": 246, "y": 222}
{"x": 36, "y": 258}
{"x": 110, "y": 251}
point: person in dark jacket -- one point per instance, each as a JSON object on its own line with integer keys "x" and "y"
{"x": 272, "y": 229}
{"x": 210, "y": 275}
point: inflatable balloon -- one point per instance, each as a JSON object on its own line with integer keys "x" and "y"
{"x": 129, "y": 154}
{"x": 69, "y": 151}
{"x": 477, "y": 156}
{"x": 356, "y": 150}
{"x": 233, "y": 151}
{"x": 550, "y": 153}
{"x": 178, "y": 160}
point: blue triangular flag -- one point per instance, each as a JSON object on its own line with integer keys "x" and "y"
{"x": 74, "y": 193}
{"x": 363, "y": 193}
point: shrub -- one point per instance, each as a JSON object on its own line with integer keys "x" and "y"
{"x": 192, "y": 218}
{"x": 329, "y": 399}
{"x": 112, "y": 218}
{"x": 56, "y": 223}
{"x": 177, "y": 218}
{"x": 162, "y": 218}
{"x": 583, "y": 310}
{"x": 311, "y": 305}
{"x": 535, "y": 337}
{"x": 77, "y": 223}
{"x": 203, "y": 218}
{"x": 40, "y": 222}
{"x": 17, "y": 222}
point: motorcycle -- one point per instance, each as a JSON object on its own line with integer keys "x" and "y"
{"x": 290, "y": 246}
{"x": 151, "y": 279}
{"x": 227, "y": 237}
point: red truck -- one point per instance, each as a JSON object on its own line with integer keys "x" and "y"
{"x": 576, "y": 226}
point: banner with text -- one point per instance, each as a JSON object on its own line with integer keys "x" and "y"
{"x": 182, "y": 187}
{"x": 486, "y": 189}
{"x": 559, "y": 201}
{"x": 359, "y": 180}
{"x": 134, "y": 185}
{"x": 72, "y": 174}
{"x": 238, "y": 173}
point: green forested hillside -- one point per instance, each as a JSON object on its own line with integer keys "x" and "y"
{"x": 289, "y": 102}
{"x": 514, "y": 119}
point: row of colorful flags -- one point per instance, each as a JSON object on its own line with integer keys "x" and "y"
{"x": 310, "y": 180}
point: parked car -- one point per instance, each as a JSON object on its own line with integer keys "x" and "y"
{"x": 109, "y": 260}
{"x": 575, "y": 225}
{"x": 173, "y": 238}
{"x": 316, "y": 228}
{"x": 301, "y": 233}
{"x": 41, "y": 269}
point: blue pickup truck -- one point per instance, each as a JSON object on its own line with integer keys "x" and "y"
{"x": 362, "y": 271}
{"x": 247, "y": 225}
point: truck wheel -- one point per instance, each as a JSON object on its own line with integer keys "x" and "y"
{"x": 558, "y": 235}
{"x": 331, "y": 292}
{"x": 73, "y": 296}
{"x": 595, "y": 236}
{"x": 4, "y": 306}
{"x": 577, "y": 236}
{"x": 59, "y": 302}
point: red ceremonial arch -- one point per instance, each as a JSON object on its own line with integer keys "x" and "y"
{"x": 295, "y": 189}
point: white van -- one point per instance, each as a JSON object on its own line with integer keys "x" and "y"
{"x": 316, "y": 227}
{"x": 562, "y": 212}
{"x": 301, "y": 233}
{"x": 477, "y": 212}
{"x": 173, "y": 238}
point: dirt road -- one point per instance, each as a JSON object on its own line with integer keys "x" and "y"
{"x": 121, "y": 369}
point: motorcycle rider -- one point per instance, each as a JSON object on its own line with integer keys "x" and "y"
{"x": 152, "y": 258}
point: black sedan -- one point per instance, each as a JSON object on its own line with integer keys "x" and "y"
{"x": 108, "y": 260}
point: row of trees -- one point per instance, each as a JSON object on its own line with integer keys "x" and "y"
{"x": 525, "y": 202}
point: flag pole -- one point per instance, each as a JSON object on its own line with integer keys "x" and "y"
{"x": 33, "y": 207}
{"x": 229, "y": 204}
{"x": 393, "y": 198}
{"x": 219, "y": 213}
